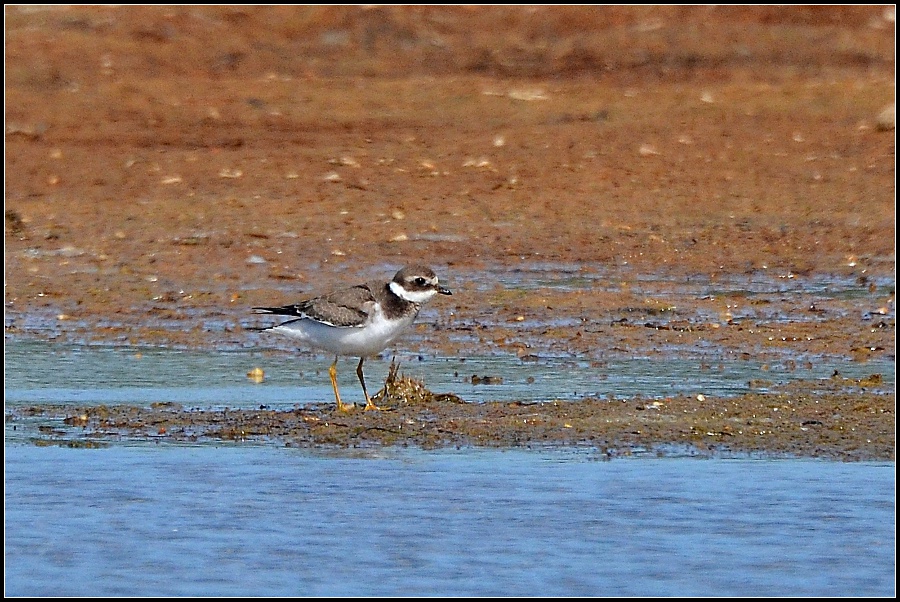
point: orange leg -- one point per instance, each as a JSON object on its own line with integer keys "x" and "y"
{"x": 332, "y": 372}
{"x": 359, "y": 373}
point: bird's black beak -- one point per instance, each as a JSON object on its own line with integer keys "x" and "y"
{"x": 444, "y": 291}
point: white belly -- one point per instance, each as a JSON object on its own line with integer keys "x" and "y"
{"x": 363, "y": 341}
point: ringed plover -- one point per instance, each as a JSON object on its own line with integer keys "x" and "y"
{"x": 359, "y": 321}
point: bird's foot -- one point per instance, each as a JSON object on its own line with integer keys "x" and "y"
{"x": 370, "y": 405}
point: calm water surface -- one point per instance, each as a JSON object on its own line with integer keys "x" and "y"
{"x": 254, "y": 520}
{"x": 40, "y": 372}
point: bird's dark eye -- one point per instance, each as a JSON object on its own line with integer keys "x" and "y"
{"x": 419, "y": 281}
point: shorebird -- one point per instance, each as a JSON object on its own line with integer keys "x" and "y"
{"x": 359, "y": 321}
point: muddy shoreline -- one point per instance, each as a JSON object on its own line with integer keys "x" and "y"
{"x": 712, "y": 183}
{"x": 838, "y": 419}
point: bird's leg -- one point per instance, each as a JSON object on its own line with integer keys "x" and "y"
{"x": 332, "y": 372}
{"x": 370, "y": 405}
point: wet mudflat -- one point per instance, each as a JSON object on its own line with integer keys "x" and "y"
{"x": 708, "y": 184}
{"x": 796, "y": 425}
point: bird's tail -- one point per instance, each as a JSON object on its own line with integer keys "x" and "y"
{"x": 263, "y": 310}
{"x": 268, "y": 310}
{"x": 284, "y": 310}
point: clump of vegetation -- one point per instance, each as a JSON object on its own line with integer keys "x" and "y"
{"x": 400, "y": 389}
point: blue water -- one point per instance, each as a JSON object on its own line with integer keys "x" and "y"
{"x": 265, "y": 521}
{"x": 40, "y": 372}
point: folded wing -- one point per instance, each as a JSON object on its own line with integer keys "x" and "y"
{"x": 348, "y": 307}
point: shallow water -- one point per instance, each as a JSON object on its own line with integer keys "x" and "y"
{"x": 38, "y": 372}
{"x": 241, "y": 520}
{"x": 578, "y": 276}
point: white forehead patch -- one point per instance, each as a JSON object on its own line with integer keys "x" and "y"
{"x": 412, "y": 296}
